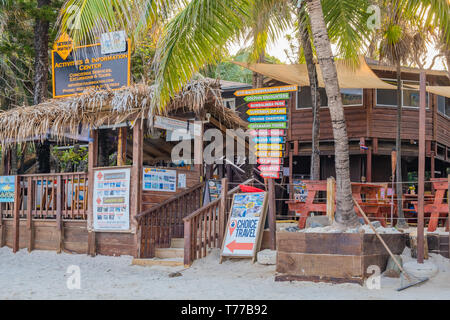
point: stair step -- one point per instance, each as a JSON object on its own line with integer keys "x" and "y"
{"x": 164, "y": 253}
{"x": 177, "y": 243}
{"x": 172, "y": 262}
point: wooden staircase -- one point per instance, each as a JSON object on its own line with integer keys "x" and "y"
{"x": 169, "y": 257}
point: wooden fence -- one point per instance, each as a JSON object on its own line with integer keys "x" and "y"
{"x": 159, "y": 224}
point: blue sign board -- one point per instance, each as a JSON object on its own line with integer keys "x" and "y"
{"x": 7, "y": 188}
{"x": 267, "y": 118}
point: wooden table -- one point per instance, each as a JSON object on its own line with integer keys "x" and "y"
{"x": 436, "y": 208}
{"x": 372, "y": 204}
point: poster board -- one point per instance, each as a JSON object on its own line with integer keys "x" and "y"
{"x": 245, "y": 223}
{"x": 7, "y": 188}
{"x": 213, "y": 189}
{"x": 155, "y": 179}
{"x": 111, "y": 200}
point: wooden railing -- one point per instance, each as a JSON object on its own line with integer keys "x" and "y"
{"x": 159, "y": 224}
{"x": 204, "y": 229}
{"x": 50, "y": 196}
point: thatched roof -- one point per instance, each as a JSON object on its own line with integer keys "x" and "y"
{"x": 95, "y": 108}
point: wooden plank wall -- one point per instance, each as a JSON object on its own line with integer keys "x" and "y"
{"x": 151, "y": 198}
{"x": 443, "y": 129}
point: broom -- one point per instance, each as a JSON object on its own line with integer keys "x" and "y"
{"x": 412, "y": 282}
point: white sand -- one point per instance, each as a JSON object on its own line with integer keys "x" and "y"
{"x": 42, "y": 275}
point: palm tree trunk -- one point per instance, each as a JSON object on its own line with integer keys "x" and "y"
{"x": 315, "y": 98}
{"x": 258, "y": 79}
{"x": 41, "y": 79}
{"x": 398, "y": 146}
{"x": 345, "y": 215}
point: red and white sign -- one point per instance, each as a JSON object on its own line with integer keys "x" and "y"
{"x": 269, "y": 161}
{"x": 266, "y": 168}
{"x": 267, "y": 104}
{"x": 270, "y": 175}
{"x": 267, "y": 133}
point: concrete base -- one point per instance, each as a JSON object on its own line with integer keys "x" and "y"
{"x": 425, "y": 270}
{"x": 267, "y": 257}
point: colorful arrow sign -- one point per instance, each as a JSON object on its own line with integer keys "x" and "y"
{"x": 270, "y": 175}
{"x": 269, "y": 146}
{"x": 233, "y": 245}
{"x": 277, "y": 96}
{"x": 266, "y": 90}
{"x": 267, "y": 118}
{"x": 259, "y": 112}
{"x": 268, "y": 140}
{"x": 268, "y": 125}
{"x": 269, "y": 161}
{"x": 267, "y": 104}
{"x": 273, "y": 168}
{"x": 267, "y": 133}
{"x": 269, "y": 154}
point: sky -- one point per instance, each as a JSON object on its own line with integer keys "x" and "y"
{"x": 278, "y": 48}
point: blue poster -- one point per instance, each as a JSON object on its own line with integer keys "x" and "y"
{"x": 7, "y": 188}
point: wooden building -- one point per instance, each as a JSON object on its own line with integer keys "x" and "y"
{"x": 370, "y": 114}
{"x": 56, "y": 211}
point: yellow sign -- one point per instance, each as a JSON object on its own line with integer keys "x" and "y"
{"x": 268, "y": 90}
{"x": 260, "y": 112}
{"x": 63, "y": 46}
{"x": 269, "y": 146}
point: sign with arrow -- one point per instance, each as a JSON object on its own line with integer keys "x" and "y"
{"x": 270, "y": 111}
{"x": 244, "y": 230}
{"x": 277, "y": 96}
{"x": 267, "y": 133}
{"x": 267, "y": 118}
{"x": 268, "y": 140}
{"x": 269, "y": 168}
{"x": 268, "y": 125}
{"x": 270, "y": 175}
{"x": 267, "y": 104}
{"x": 270, "y": 161}
{"x": 269, "y": 146}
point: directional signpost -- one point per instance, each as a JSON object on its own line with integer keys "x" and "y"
{"x": 267, "y": 111}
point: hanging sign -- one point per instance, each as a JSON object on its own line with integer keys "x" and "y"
{"x": 179, "y": 126}
{"x": 278, "y": 96}
{"x": 84, "y": 67}
{"x": 249, "y": 92}
{"x": 269, "y": 161}
{"x": 269, "y": 168}
{"x": 155, "y": 179}
{"x": 268, "y": 139}
{"x": 267, "y": 118}
{"x": 267, "y": 133}
{"x": 245, "y": 223}
{"x": 267, "y": 104}
{"x": 7, "y": 188}
{"x": 257, "y": 112}
{"x": 269, "y": 125}
{"x": 270, "y": 175}
{"x": 269, "y": 146}
{"x": 269, "y": 154}
{"x": 111, "y": 205}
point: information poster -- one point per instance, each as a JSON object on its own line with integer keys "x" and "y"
{"x": 155, "y": 179}
{"x": 247, "y": 217}
{"x": 112, "y": 200}
{"x": 182, "y": 180}
{"x": 7, "y": 188}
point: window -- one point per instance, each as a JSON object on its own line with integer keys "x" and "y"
{"x": 230, "y": 103}
{"x": 444, "y": 106}
{"x": 350, "y": 97}
{"x": 410, "y": 96}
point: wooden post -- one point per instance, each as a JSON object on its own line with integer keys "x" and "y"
{"x": 272, "y": 215}
{"x": 16, "y": 225}
{"x": 331, "y": 198}
{"x": 223, "y": 210}
{"x": 59, "y": 222}
{"x": 291, "y": 174}
{"x": 30, "y": 213}
{"x": 432, "y": 165}
{"x": 187, "y": 243}
{"x": 198, "y": 149}
{"x": 421, "y": 171}
{"x": 92, "y": 163}
{"x": 369, "y": 165}
{"x": 2, "y": 227}
{"x": 122, "y": 147}
{"x": 136, "y": 187}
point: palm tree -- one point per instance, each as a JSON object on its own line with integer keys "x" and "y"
{"x": 190, "y": 39}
